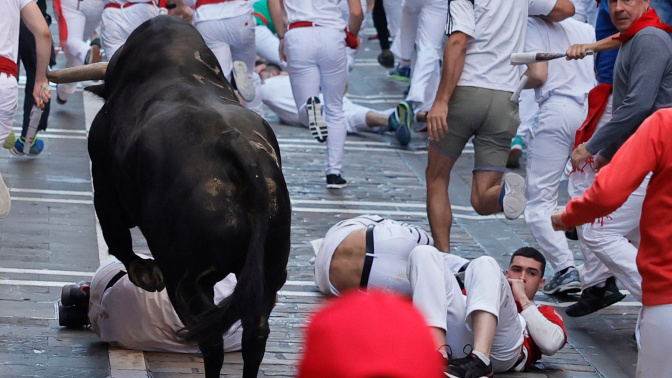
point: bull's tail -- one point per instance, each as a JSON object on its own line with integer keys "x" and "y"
{"x": 247, "y": 299}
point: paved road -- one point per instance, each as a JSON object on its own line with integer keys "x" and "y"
{"x": 51, "y": 239}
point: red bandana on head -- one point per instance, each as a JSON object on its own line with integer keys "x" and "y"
{"x": 650, "y": 18}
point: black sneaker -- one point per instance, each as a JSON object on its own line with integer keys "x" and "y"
{"x": 336, "y": 182}
{"x": 316, "y": 123}
{"x": 469, "y": 367}
{"x": 76, "y": 295}
{"x": 596, "y": 298}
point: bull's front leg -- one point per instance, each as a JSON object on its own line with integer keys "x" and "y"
{"x": 115, "y": 224}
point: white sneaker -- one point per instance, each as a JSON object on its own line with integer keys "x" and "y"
{"x": 514, "y": 201}
{"x": 5, "y": 199}
{"x": 316, "y": 122}
{"x": 243, "y": 82}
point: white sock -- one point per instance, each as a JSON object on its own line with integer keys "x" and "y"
{"x": 482, "y": 357}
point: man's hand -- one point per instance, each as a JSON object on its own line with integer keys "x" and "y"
{"x": 518, "y": 290}
{"x": 437, "y": 124}
{"x": 41, "y": 93}
{"x": 281, "y": 50}
{"x": 599, "y": 162}
{"x": 578, "y": 51}
{"x": 579, "y": 154}
{"x": 558, "y": 224}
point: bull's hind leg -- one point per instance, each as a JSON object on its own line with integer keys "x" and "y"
{"x": 212, "y": 350}
{"x": 255, "y": 334}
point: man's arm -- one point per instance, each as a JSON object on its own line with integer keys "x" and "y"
{"x": 356, "y": 16}
{"x": 276, "y": 8}
{"x": 453, "y": 64}
{"x": 537, "y": 74}
{"x": 547, "y": 335}
{"x": 32, "y": 17}
{"x": 578, "y": 51}
{"x": 563, "y": 9}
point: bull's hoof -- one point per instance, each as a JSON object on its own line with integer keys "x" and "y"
{"x": 146, "y": 275}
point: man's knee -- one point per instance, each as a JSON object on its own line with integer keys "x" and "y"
{"x": 424, "y": 254}
{"x": 483, "y": 265}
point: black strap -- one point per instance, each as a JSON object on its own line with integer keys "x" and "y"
{"x": 114, "y": 279}
{"x": 368, "y": 259}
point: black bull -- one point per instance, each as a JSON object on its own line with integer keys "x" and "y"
{"x": 176, "y": 155}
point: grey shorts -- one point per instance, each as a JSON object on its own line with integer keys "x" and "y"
{"x": 490, "y": 117}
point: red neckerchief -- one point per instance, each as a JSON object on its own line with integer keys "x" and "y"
{"x": 650, "y": 18}
{"x": 597, "y": 102}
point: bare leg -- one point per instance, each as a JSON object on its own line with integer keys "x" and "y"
{"x": 484, "y": 325}
{"x": 374, "y": 119}
{"x": 439, "y": 212}
{"x": 485, "y": 189}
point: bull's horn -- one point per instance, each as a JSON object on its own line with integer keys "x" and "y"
{"x": 95, "y": 71}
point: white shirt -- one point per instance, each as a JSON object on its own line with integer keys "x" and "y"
{"x": 325, "y": 13}
{"x": 573, "y": 78}
{"x": 497, "y": 29}
{"x": 226, "y": 9}
{"x": 127, "y": 316}
{"x": 9, "y": 27}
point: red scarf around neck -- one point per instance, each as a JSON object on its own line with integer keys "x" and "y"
{"x": 650, "y": 18}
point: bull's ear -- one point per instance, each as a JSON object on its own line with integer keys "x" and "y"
{"x": 98, "y": 90}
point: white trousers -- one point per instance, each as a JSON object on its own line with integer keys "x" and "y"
{"x": 549, "y": 146}
{"x": 118, "y": 23}
{"x": 316, "y": 59}
{"x": 655, "y": 343}
{"x": 609, "y": 245}
{"x": 487, "y": 290}
{"x": 9, "y": 102}
{"x": 527, "y": 108}
{"x": 232, "y": 39}
{"x": 393, "y": 15}
{"x": 423, "y": 26}
{"x": 267, "y": 45}
{"x": 80, "y": 18}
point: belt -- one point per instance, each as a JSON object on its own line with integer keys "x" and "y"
{"x": 301, "y": 24}
{"x": 119, "y": 6}
{"x": 368, "y": 259}
{"x": 206, "y": 2}
{"x": 114, "y": 279}
{"x": 9, "y": 67}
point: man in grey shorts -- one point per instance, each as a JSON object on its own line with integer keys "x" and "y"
{"x": 477, "y": 82}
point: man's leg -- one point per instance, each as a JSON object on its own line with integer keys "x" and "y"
{"x": 653, "y": 359}
{"x": 486, "y": 187}
{"x": 439, "y": 212}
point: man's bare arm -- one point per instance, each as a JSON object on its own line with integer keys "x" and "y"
{"x": 356, "y": 16}
{"x": 34, "y": 20}
{"x": 537, "y": 74}
{"x": 578, "y": 51}
{"x": 453, "y": 63}
{"x": 563, "y": 9}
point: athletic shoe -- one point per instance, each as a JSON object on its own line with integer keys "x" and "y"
{"x": 469, "y": 367}
{"x": 564, "y": 282}
{"x": 393, "y": 122}
{"x": 596, "y": 298}
{"x": 401, "y": 73}
{"x": 386, "y": 59}
{"x": 76, "y": 295}
{"x": 316, "y": 122}
{"x": 336, "y": 182}
{"x": 73, "y": 317}
{"x": 404, "y": 114}
{"x": 93, "y": 55}
{"x": 59, "y": 100}
{"x": 515, "y": 152}
{"x": 513, "y": 199}
{"x": 35, "y": 148}
{"x": 9, "y": 142}
{"x": 243, "y": 83}
{"x": 5, "y": 199}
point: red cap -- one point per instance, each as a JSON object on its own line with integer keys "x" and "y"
{"x": 374, "y": 334}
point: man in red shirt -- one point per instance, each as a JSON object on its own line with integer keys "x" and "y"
{"x": 648, "y": 150}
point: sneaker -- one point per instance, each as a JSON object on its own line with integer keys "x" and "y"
{"x": 564, "y": 282}
{"x": 404, "y": 115}
{"x": 9, "y": 142}
{"x": 243, "y": 83}
{"x": 5, "y": 199}
{"x": 401, "y": 73}
{"x": 469, "y": 367}
{"x": 316, "y": 123}
{"x": 73, "y": 317}
{"x": 35, "y": 148}
{"x": 596, "y": 298}
{"x": 336, "y": 182}
{"x": 76, "y": 295}
{"x": 515, "y": 153}
{"x": 513, "y": 199}
{"x": 386, "y": 59}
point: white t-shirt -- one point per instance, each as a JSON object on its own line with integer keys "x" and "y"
{"x": 226, "y": 9}
{"x": 325, "y": 13}
{"x": 127, "y": 316}
{"x": 9, "y": 27}
{"x": 497, "y": 30}
{"x": 573, "y": 78}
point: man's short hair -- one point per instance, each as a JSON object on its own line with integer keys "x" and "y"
{"x": 531, "y": 253}
{"x": 270, "y": 67}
